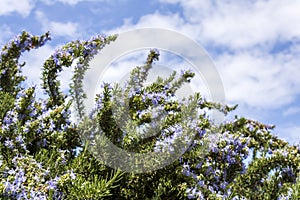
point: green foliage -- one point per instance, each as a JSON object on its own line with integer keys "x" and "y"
{"x": 6, "y": 102}
{"x": 45, "y": 155}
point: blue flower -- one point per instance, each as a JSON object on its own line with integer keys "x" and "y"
{"x": 51, "y": 184}
{"x": 194, "y": 193}
{"x": 9, "y": 144}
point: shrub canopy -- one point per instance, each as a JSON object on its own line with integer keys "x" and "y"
{"x": 46, "y": 155}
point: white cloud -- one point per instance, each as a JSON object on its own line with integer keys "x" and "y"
{"x": 290, "y": 133}
{"x": 5, "y": 34}
{"x": 291, "y": 111}
{"x": 155, "y": 20}
{"x": 67, "y": 29}
{"x": 249, "y": 29}
{"x": 34, "y": 62}
{"x": 33, "y": 69}
{"x": 243, "y": 24}
{"x": 23, "y": 7}
{"x": 63, "y": 29}
{"x": 71, "y": 2}
{"x": 260, "y": 79}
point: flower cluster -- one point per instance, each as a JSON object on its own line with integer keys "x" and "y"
{"x": 213, "y": 165}
{"x": 28, "y": 127}
{"x": 169, "y": 136}
{"x": 214, "y": 173}
{"x": 18, "y": 179}
{"x": 22, "y": 43}
{"x": 154, "y": 109}
{"x": 42, "y": 157}
{"x": 11, "y": 77}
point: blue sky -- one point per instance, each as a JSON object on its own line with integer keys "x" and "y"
{"x": 255, "y": 45}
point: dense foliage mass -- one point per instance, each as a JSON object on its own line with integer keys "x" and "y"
{"x": 42, "y": 155}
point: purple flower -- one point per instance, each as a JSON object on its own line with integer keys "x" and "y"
{"x": 215, "y": 150}
{"x": 52, "y": 126}
{"x": 9, "y": 144}
{"x": 194, "y": 193}
{"x": 154, "y": 101}
{"x": 72, "y": 174}
{"x": 19, "y": 139}
{"x": 288, "y": 172}
{"x": 284, "y": 153}
{"x": 199, "y": 165}
{"x": 224, "y": 185}
{"x": 51, "y": 184}
{"x": 186, "y": 170}
{"x": 201, "y": 183}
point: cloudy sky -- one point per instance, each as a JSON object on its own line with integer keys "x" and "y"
{"x": 255, "y": 45}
